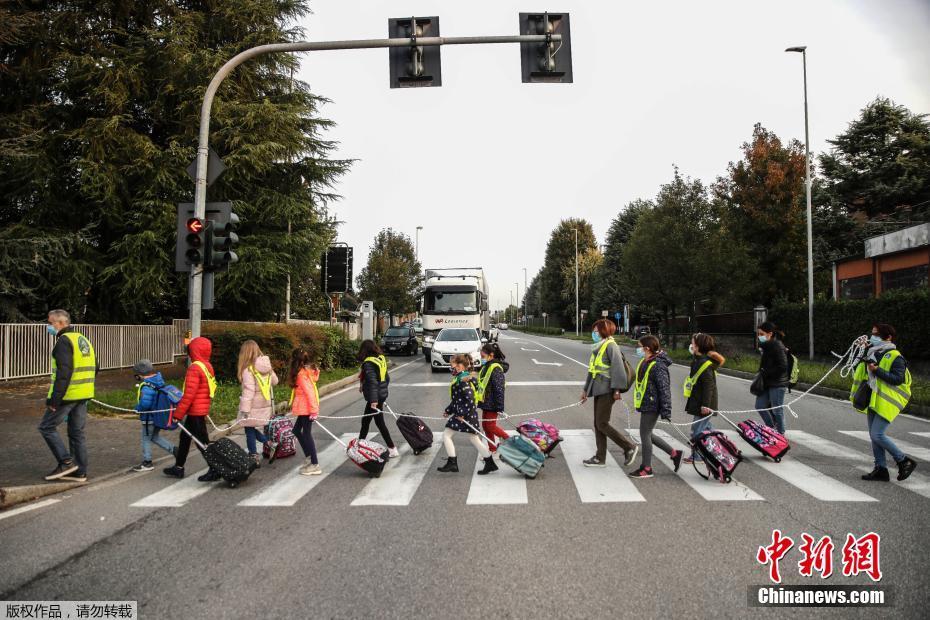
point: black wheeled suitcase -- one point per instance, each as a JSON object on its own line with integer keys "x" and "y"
{"x": 225, "y": 457}
{"x": 416, "y": 432}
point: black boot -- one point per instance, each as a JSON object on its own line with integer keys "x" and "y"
{"x": 174, "y": 471}
{"x": 879, "y": 473}
{"x": 210, "y": 476}
{"x": 452, "y": 465}
{"x": 906, "y": 467}
{"x": 489, "y": 466}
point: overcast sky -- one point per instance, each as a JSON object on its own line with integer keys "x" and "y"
{"x": 488, "y": 165}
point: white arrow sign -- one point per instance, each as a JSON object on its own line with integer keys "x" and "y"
{"x": 545, "y": 363}
{"x": 533, "y": 350}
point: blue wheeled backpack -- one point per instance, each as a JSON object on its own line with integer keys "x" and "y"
{"x": 167, "y": 398}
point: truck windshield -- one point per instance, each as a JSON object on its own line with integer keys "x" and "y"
{"x": 457, "y": 335}
{"x": 460, "y": 302}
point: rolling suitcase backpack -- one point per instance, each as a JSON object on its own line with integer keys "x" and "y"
{"x": 763, "y": 438}
{"x": 721, "y": 456}
{"x": 522, "y": 454}
{"x": 545, "y": 436}
{"x": 414, "y": 430}
{"x": 280, "y": 430}
{"x": 368, "y": 455}
{"x": 226, "y": 458}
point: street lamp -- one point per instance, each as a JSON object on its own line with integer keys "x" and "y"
{"x": 810, "y": 233}
{"x": 509, "y": 311}
{"x": 517, "y": 284}
{"x": 419, "y": 228}
{"x": 525, "y": 289}
{"x": 577, "y": 320}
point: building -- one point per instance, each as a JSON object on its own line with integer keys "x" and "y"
{"x": 896, "y": 260}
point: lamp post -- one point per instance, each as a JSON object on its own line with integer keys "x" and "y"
{"x": 509, "y": 311}
{"x": 810, "y": 233}
{"x": 526, "y": 310}
{"x": 577, "y": 320}
{"x": 417, "y": 247}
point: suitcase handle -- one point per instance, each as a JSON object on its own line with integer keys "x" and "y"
{"x": 200, "y": 446}
{"x": 328, "y": 432}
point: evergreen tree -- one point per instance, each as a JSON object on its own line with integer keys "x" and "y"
{"x": 608, "y": 290}
{"x": 557, "y": 277}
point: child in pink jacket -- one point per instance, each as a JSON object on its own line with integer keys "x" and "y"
{"x": 257, "y": 400}
{"x": 305, "y": 405}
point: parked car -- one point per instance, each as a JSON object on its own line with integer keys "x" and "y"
{"x": 502, "y": 326}
{"x": 400, "y": 340}
{"x": 451, "y": 341}
{"x": 641, "y": 330}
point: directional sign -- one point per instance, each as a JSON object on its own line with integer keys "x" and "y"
{"x": 546, "y": 363}
{"x": 618, "y": 316}
{"x": 215, "y": 168}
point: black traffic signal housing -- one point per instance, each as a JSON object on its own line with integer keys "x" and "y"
{"x": 550, "y": 61}
{"x": 414, "y": 65}
{"x": 221, "y": 241}
{"x": 194, "y": 241}
{"x": 336, "y": 269}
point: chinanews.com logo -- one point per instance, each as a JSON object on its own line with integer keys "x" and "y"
{"x": 859, "y": 556}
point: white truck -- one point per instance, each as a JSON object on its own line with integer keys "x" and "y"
{"x": 454, "y": 297}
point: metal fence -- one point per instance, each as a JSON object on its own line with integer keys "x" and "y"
{"x": 181, "y": 326}
{"x": 25, "y": 349}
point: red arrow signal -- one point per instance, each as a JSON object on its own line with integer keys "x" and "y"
{"x": 195, "y": 225}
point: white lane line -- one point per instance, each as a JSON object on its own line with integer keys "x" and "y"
{"x": 400, "y": 479}
{"x": 27, "y": 508}
{"x": 571, "y": 359}
{"x": 595, "y": 484}
{"x": 708, "y": 489}
{"x": 505, "y": 486}
{"x": 910, "y": 449}
{"x": 917, "y": 483}
{"x": 808, "y": 479}
{"x": 538, "y": 363}
{"x": 179, "y": 493}
{"x": 291, "y": 486}
{"x": 920, "y": 434}
{"x": 531, "y": 350}
{"x": 445, "y": 384}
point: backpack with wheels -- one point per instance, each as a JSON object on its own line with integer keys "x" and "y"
{"x": 720, "y": 455}
{"x": 281, "y": 431}
{"x": 545, "y": 436}
{"x": 368, "y": 455}
{"x": 522, "y": 454}
{"x": 764, "y": 438}
{"x": 226, "y": 458}
{"x": 416, "y": 432}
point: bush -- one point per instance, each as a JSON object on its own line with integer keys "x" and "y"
{"x": 837, "y": 323}
{"x": 536, "y": 329}
{"x": 327, "y": 345}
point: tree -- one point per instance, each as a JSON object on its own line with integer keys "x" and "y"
{"x": 98, "y": 122}
{"x": 607, "y": 288}
{"x": 557, "y": 277}
{"x": 880, "y": 166}
{"x": 391, "y": 279}
{"x": 761, "y": 204}
{"x": 531, "y": 298}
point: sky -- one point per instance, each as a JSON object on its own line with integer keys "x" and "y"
{"x": 488, "y": 166}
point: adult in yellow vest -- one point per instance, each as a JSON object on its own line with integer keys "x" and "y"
{"x": 373, "y": 384}
{"x": 881, "y": 388}
{"x": 605, "y": 381}
{"x": 74, "y": 368}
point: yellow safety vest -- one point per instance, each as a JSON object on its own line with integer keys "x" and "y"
{"x": 596, "y": 365}
{"x": 84, "y": 363}
{"x": 887, "y": 400}
{"x": 381, "y": 363}
{"x": 211, "y": 380}
{"x": 639, "y": 390}
{"x": 690, "y": 381}
{"x": 484, "y": 377}
{"x": 264, "y": 383}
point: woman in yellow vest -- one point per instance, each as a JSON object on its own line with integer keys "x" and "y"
{"x": 881, "y": 388}
{"x": 256, "y": 402}
{"x": 374, "y": 381}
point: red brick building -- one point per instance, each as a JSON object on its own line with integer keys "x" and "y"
{"x": 897, "y": 260}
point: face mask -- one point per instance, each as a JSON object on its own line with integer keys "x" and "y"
{"x": 484, "y": 361}
{"x": 453, "y": 371}
{"x": 762, "y": 339}
{"x": 875, "y": 340}
{"x": 691, "y": 349}
{"x": 640, "y": 352}
{"x": 595, "y": 336}
{"x": 51, "y": 330}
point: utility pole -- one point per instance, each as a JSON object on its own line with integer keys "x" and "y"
{"x": 417, "y": 247}
{"x": 577, "y": 315}
{"x": 517, "y": 284}
{"x": 526, "y": 288}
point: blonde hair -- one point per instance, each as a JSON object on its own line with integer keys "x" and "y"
{"x": 463, "y": 359}
{"x": 248, "y": 353}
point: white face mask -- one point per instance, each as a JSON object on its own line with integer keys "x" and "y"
{"x": 691, "y": 349}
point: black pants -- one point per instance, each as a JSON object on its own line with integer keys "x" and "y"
{"x": 302, "y": 428}
{"x": 197, "y": 425}
{"x": 379, "y": 422}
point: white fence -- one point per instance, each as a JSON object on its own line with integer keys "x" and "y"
{"x": 25, "y": 349}
{"x": 351, "y": 330}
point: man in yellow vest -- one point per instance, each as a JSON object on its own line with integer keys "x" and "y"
{"x": 74, "y": 368}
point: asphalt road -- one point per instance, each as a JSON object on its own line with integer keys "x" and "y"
{"x": 573, "y": 543}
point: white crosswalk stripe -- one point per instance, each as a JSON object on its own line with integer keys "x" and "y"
{"x": 920, "y": 434}
{"x": 808, "y": 479}
{"x": 595, "y": 484}
{"x": 910, "y": 449}
{"x": 178, "y": 493}
{"x": 917, "y": 483}
{"x": 400, "y": 479}
{"x": 505, "y": 486}
{"x": 710, "y": 490}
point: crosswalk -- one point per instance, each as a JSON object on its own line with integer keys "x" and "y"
{"x": 403, "y": 477}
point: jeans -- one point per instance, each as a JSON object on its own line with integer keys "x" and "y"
{"x": 696, "y": 429}
{"x": 76, "y": 412}
{"x": 881, "y": 443}
{"x": 302, "y": 428}
{"x": 252, "y": 433}
{"x": 602, "y": 428}
{"x": 773, "y": 397}
{"x": 150, "y": 436}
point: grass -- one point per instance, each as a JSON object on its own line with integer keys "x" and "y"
{"x": 225, "y": 401}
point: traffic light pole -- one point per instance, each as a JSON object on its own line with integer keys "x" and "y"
{"x": 203, "y": 142}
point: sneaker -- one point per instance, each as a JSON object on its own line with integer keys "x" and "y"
{"x": 63, "y": 469}
{"x": 78, "y": 476}
{"x": 210, "y": 476}
{"x": 629, "y": 456}
{"x": 594, "y": 462}
{"x": 174, "y": 471}
{"x": 310, "y": 470}
{"x": 144, "y": 466}
{"x": 258, "y": 460}
{"x": 642, "y": 472}
{"x": 676, "y": 458}
{"x": 879, "y": 473}
{"x": 393, "y": 453}
{"x": 906, "y": 467}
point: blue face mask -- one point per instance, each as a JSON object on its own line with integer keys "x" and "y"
{"x": 595, "y": 336}
{"x": 483, "y": 361}
{"x": 51, "y": 330}
{"x": 762, "y": 339}
{"x": 640, "y": 352}
{"x": 875, "y": 340}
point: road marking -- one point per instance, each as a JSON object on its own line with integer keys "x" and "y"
{"x": 910, "y": 449}
{"x": 179, "y": 493}
{"x": 291, "y": 487}
{"x": 445, "y": 384}
{"x": 546, "y": 363}
{"x": 532, "y": 350}
{"x": 505, "y": 486}
{"x": 917, "y": 483}
{"x": 571, "y": 359}
{"x": 27, "y": 508}
{"x": 400, "y": 479}
{"x": 595, "y": 484}
{"x": 920, "y": 434}
{"x": 806, "y": 478}
{"x": 708, "y": 489}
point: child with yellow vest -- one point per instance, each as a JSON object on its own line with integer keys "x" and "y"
{"x": 700, "y": 389}
{"x": 305, "y": 405}
{"x": 374, "y": 381}
{"x": 881, "y": 388}
{"x": 194, "y": 407}
{"x": 489, "y": 391}
{"x": 256, "y": 404}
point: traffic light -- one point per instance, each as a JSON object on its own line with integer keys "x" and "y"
{"x": 221, "y": 241}
{"x": 194, "y": 241}
{"x": 414, "y": 65}
{"x": 549, "y": 61}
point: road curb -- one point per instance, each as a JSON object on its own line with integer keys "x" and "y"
{"x": 11, "y": 496}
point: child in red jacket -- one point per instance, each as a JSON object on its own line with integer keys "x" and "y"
{"x": 192, "y": 410}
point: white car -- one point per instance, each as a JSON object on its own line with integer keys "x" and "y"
{"x": 502, "y": 326}
{"x": 494, "y": 334}
{"x": 452, "y": 341}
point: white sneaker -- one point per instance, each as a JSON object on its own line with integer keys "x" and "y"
{"x": 310, "y": 470}
{"x": 393, "y": 453}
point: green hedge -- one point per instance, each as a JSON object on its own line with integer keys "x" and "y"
{"x": 534, "y": 329}
{"x": 327, "y": 345}
{"x": 837, "y": 323}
